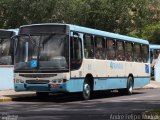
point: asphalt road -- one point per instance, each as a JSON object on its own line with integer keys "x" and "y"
{"x": 70, "y": 107}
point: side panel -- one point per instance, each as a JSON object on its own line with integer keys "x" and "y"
{"x": 140, "y": 82}
{"x": 109, "y": 83}
{"x": 75, "y": 85}
{"x": 6, "y": 77}
{"x": 116, "y": 69}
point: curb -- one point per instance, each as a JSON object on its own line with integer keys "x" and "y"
{"x": 5, "y": 99}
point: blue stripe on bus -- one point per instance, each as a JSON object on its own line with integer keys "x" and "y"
{"x": 110, "y": 83}
{"x": 140, "y": 82}
{"x": 76, "y": 85}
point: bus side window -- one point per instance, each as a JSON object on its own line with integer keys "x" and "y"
{"x": 99, "y": 48}
{"x": 120, "y": 51}
{"x": 88, "y": 47}
{"x": 75, "y": 53}
{"x": 145, "y": 55}
{"x": 137, "y": 53}
{"x": 129, "y": 51}
{"x": 111, "y": 45}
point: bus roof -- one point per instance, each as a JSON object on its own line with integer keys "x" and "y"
{"x": 96, "y": 32}
{"x": 154, "y": 46}
{"x": 7, "y": 33}
{"x": 13, "y": 30}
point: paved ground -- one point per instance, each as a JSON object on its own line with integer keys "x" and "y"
{"x": 9, "y": 95}
{"x": 71, "y": 107}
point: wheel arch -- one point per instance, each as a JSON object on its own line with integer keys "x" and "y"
{"x": 131, "y": 75}
{"x": 89, "y": 78}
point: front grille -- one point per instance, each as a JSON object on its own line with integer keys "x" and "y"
{"x": 37, "y": 75}
{"x": 38, "y": 88}
{"x": 37, "y": 81}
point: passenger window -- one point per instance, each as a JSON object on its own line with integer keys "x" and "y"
{"x": 75, "y": 53}
{"x": 145, "y": 55}
{"x": 99, "y": 48}
{"x": 129, "y": 51}
{"x": 120, "y": 51}
{"x": 111, "y": 54}
{"x": 88, "y": 47}
{"x": 137, "y": 53}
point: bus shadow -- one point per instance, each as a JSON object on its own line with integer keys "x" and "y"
{"x": 64, "y": 98}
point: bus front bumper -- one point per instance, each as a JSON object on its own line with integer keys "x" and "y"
{"x": 40, "y": 87}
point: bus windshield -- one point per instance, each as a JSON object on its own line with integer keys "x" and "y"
{"x": 5, "y": 57}
{"x": 48, "y": 50}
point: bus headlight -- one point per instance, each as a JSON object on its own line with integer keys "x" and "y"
{"x": 22, "y": 81}
{"x": 17, "y": 80}
{"x": 60, "y": 80}
{"x": 57, "y": 81}
{"x": 54, "y": 81}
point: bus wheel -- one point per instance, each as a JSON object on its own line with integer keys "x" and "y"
{"x": 42, "y": 94}
{"x": 86, "y": 90}
{"x": 129, "y": 89}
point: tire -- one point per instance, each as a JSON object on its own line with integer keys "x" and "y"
{"x": 42, "y": 94}
{"x": 129, "y": 89}
{"x": 86, "y": 90}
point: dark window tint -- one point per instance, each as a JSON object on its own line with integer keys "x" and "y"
{"x": 145, "y": 53}
{"x": 137, "y": 53}
{"x": 88, "y": 47}
{"x": 76, "y": 53}
{"x": 111, "y": 54}
{"x": 120, "y": 51}
{"x": 99, "y": 48}
{"x": 129, "y": 51}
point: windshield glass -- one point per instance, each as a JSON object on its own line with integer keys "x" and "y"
{"x": 42, "y": 52}
{"x": 5, "y": 57}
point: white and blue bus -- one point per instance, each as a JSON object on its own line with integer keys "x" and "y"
{"x": 154, "y": 53}
{"x": 6, "y": 58}
{"x": 52, "y": 58}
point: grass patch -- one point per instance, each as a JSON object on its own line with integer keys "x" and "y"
{"x": 152, "y": 114}
{"x": 156, "y": 110}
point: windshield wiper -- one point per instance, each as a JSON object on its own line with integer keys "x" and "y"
{"x": 48, "y": 38}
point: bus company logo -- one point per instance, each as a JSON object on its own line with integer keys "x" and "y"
{"x": 116, "y": 65}
{"x": 146, "y": 68}
{"x": 33, "y": 63}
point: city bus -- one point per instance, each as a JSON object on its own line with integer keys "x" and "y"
{"x": 6, "y": 58}
{"x": 55, "y": 58}
{"x": 154, "y": 53}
